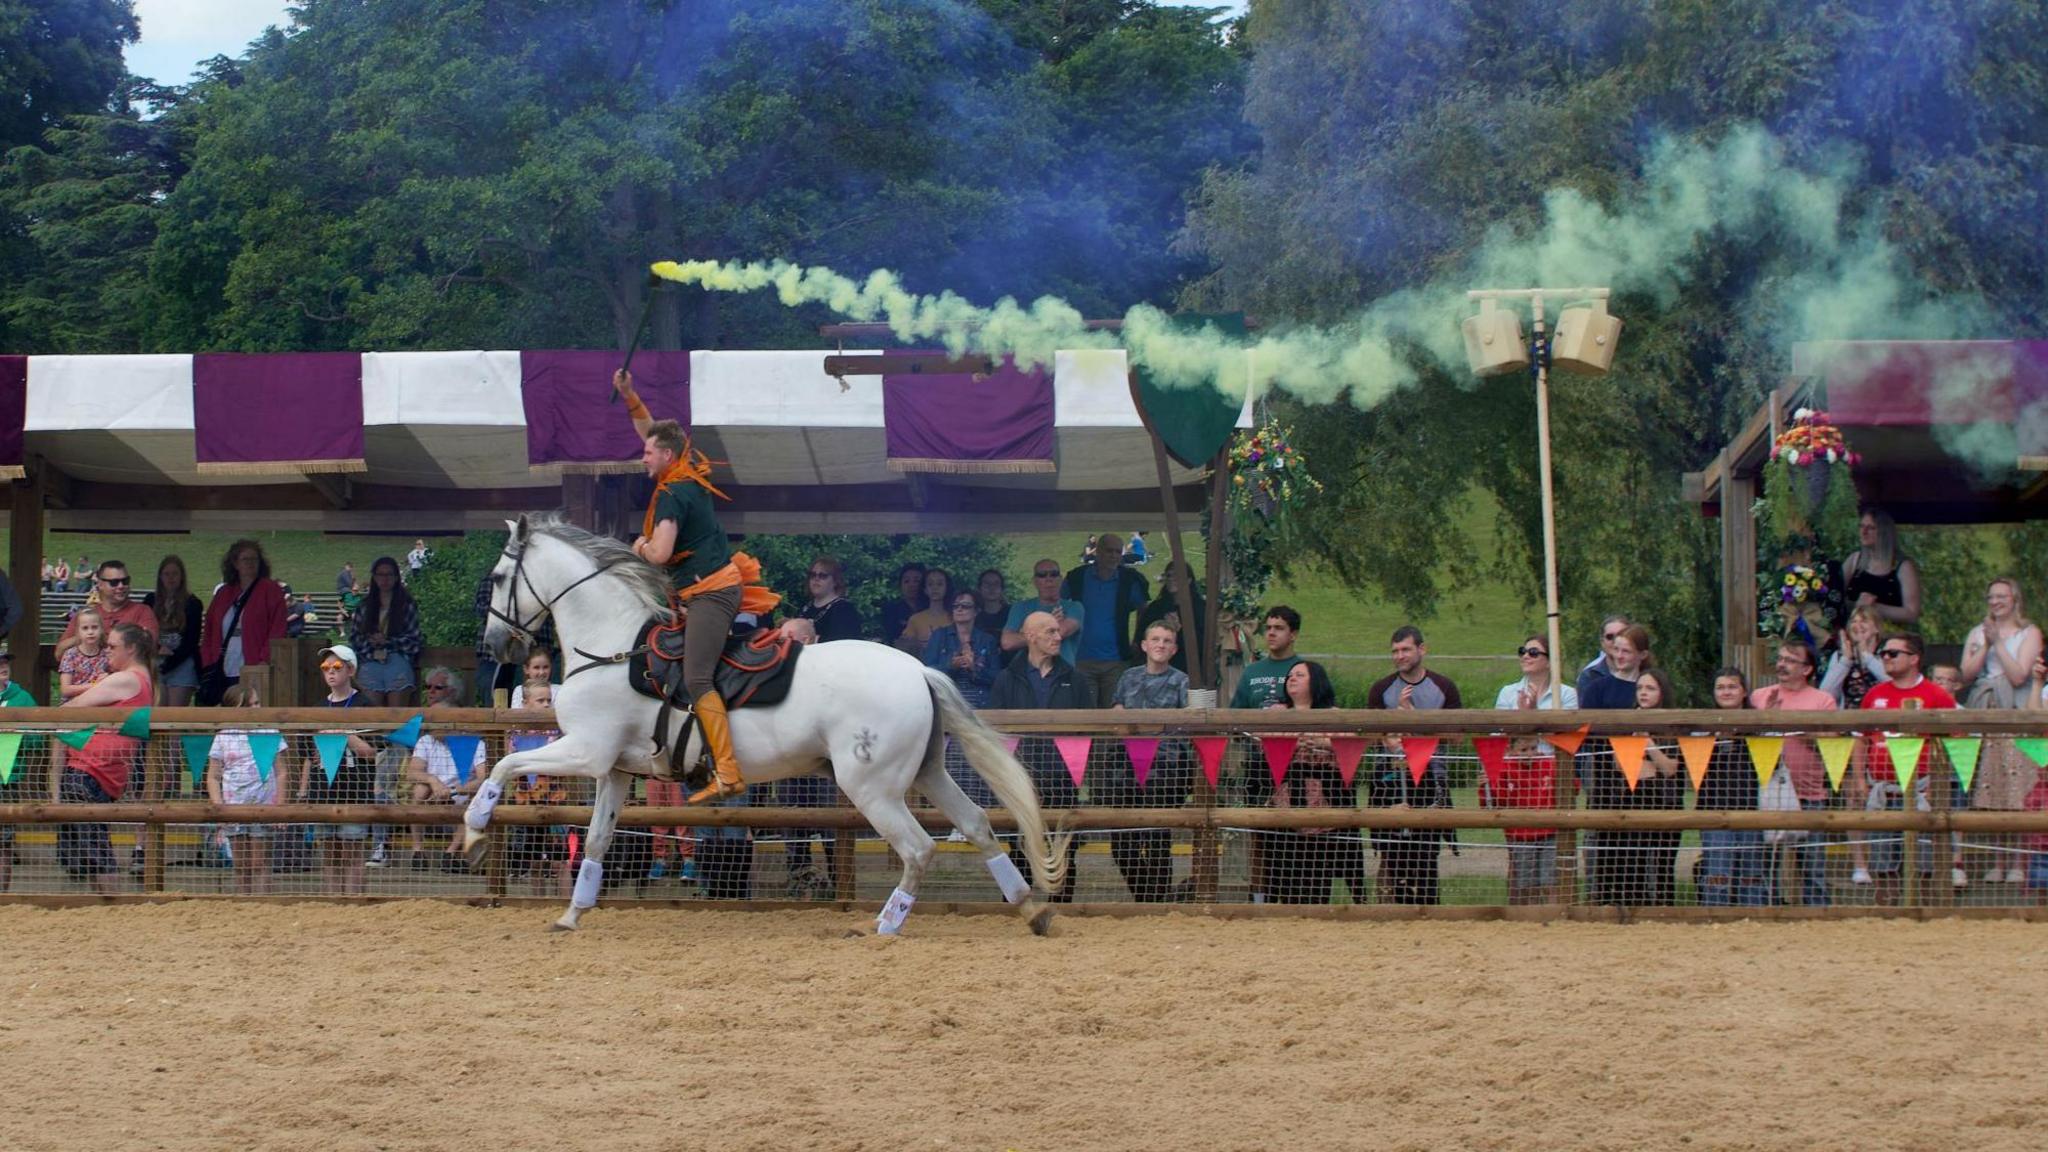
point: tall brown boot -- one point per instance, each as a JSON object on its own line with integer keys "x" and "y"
{"x": 718, "y": 741}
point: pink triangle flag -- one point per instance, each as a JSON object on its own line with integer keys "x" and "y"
{"x": 1142, "y": 752}
{"x": 1418, "y": 750}
{"x": 1210, "y": 750}
{"x": 1347, "y": 750}
{"x": 1279, "y": 754}
{"x": 1010, "y": 744}
{"x": 1074, "y": 750}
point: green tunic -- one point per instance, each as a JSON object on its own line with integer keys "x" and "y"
{"x": 697, "y": 532}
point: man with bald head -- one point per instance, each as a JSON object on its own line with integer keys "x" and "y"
{"x": 1040, "y": 680}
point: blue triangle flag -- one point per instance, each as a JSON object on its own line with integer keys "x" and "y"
{"x": 263, "y": 746}
{"x": 408, "y": 733}
{"x": 463, "y": 749}
{"x": 198, "y": 747}
{"x": 331, "y": 745}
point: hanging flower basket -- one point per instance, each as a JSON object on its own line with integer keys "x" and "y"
{"x": 1268, "y": 476}
{"x": 1809, "y": 493}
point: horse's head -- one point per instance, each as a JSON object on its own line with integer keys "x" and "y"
{"x": 516, "y": 607}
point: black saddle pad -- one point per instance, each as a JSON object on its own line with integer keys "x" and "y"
{"x": 754, "y": 671}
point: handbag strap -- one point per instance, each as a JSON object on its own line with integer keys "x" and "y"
{"x": 234, "y": 626}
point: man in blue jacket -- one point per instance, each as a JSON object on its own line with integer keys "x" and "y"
{"x": 1112, "y": 592}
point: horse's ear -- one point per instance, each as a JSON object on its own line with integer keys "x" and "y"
{"x": 517, "y": 528}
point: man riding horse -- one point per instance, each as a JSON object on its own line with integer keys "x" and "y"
{"x": 681, "y": 535}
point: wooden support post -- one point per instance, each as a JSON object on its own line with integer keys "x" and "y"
{"x": 1564, "y": 795}
{"x": 1183, "y": 591}
{"x": 25, "y": 571}
{"x": 1206, "y": 868}
{"x": 1940, "y": 797}
{"x": 153, "y": 836}
{"x": 843, "y": 886}
{"x": 1738, "y": 573}
{"x": 1212, "y": 569}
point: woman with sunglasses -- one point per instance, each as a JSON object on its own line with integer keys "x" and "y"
{"x": 1528, "y": 777}
{"x": 831, "y": 615}
{"x": 964, "y": 652}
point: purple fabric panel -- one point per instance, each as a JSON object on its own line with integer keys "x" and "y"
{"x": 1007, "y": 416}
{"x": 569, "y": 419}
{"x": 13, "y": 408}
{"x": 2030, "y": 397}
{"x": 255, "y": 408}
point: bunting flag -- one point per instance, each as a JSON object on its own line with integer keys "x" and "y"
{"x": 1347, "y": 750}
{"x": 1074, "y": 751}
{"x": 1834, "y": 753}
{"x": 1569, "y": 741}
{"x": 1763, "y": 755}
{"x": 1210, "y": 749}
{"x": 330, "y": 746}
{"x": 136, "y": 726}
{"x": 1628, "y": 756}
{"x": 10, "y": 747}
{"x": 263, "y": 746}
{"x": 1279, "y": 754}
{"x": 462, "y": 747}
{"x": 407, "y": 734}
{"x": 2034, "y": 748}
{"x": 197, "y": 746}
{"x": 1142, "y": 751}
{"x": 1010, "y": 744}
{"x": 1962, "y": 752}
{"x": 80, "y": 738}
{"x": 1418, "y": 750}
{"x": 1698, "y": 752}
{"x": 1905, "y": 754}
{"x": 1493, "y": 759}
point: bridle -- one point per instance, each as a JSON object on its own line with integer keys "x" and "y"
{"x": 527, "y": 628}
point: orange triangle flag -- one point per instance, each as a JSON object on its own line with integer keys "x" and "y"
{"x": 1279, "y": 754}
{"x": 1763, "y": 755}
{"x": 1698, "y": 752}
{"x": 1628, "y": 756}
{"x": 1418, "y": 750}
{"x": 1493, "y": 758}
{"x": 1570, "y": 741}
{"x": 1347, "y": 750}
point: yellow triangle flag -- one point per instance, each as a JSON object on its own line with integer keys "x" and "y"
{"x": 1962, "y": 752}
{"x": 1905, "y": 754}
{"x": 1628, "y": 756}
{"x": 1834, "y": 752}
{"x": 1763, "y": 755}
{"x": 1698, "y": 752}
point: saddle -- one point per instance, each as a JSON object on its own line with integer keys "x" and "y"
{"x": 753, "y": 671}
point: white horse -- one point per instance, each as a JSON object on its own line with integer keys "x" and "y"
{"x": 878, "y": 717}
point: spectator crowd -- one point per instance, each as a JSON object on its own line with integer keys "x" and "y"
{"x": 1099, "y": 635}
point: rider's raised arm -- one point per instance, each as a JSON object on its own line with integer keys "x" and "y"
{"x": 622, "y": 383}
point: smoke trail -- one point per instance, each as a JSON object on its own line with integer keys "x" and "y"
{"x": 1832, "y": 277}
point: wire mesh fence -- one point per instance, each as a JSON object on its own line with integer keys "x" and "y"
{"x": 1207, "y": 813}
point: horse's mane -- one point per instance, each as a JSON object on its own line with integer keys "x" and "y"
{"x": 646, "y": 583}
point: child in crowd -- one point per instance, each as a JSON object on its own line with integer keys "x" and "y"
{"x": 12, "y": 695}
{"x": 233, "y": 776}
{"x": 540, "y": 666}
{"x": 346, "y": 846}
{"x": 86, "y": 663}
{"x": 541, "y": 853}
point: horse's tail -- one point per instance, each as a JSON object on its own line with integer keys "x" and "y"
{"x": 983, "y": 747}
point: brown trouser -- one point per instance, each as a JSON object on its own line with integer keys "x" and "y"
{"x": 711, "y": 616}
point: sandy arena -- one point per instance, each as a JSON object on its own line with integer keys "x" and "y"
{"x": 426, "y": 1025}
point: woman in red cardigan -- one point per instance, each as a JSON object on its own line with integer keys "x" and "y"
{"x": 249, "y": 623}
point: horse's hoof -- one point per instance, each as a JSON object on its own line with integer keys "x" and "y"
{"x": 558, "y": 926}
{"x": 1041, "y": 924}
{"x": 474, "y": 854}
{"x": 852, "y": 934}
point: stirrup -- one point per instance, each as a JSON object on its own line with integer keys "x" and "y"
{"x": 717, "y": 790}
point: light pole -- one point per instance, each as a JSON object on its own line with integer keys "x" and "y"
{"x": 1584, "y": 343}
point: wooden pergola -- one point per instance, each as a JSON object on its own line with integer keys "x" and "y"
{"x": 1951, "y": 432}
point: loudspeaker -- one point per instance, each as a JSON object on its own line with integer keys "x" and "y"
{"x": 1585, "y": 340}
{"x": 1493, "y": 341}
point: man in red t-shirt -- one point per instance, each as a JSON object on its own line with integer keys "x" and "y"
{"x": 1906, "y": 689}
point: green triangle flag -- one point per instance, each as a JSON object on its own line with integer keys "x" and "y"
{"x": 263, "y": 746}
{"x": 330, "y": 746}
{"x": 2035, "y": 748}
{"x": 10, "y": 747}
{"x": 1834, "y": 752}
{"x": 1195, "y": 418}
{"x": 80, "y": 738}
{"x": 1905, "y": 754}
{"x": 136, "y": 726}
{"x": 198, "y": 746}
{"x": 1962, "y": 752}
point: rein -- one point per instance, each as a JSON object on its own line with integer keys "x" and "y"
{"x": 526, "y": 628}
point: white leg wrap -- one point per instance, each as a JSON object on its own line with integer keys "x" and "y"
{"x": 890, "y": 922}
{"x": 589, "y": 880}
{"x": 478, "y": 815}
{"x": 1011, "y": 881}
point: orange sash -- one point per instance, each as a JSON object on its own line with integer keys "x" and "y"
{"x": 744, "y": 572}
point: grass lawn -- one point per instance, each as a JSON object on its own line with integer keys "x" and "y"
{"x": 305, "y": 560}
